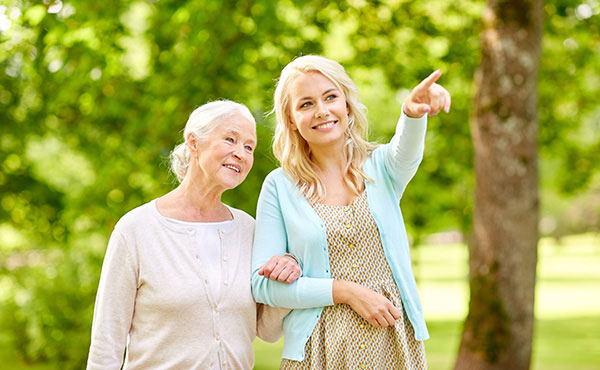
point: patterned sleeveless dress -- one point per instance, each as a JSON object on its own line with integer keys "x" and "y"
{"x": 342, "y": 339}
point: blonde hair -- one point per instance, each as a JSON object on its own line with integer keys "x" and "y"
{"x": 201, "y": 123}
{"x": 293, "y": 151}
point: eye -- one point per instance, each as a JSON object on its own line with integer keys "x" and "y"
{"x": 230, "y": 140}
{"x": 305, "y": 105}
{"x": 249, "y": 148}
{"x": 331, "y": 97}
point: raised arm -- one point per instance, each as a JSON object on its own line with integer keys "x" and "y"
{"x": 404, "y": 153}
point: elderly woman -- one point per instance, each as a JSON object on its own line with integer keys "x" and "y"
{"x": 175, "y": 284}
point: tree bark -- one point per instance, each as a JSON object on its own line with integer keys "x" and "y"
{"x": 498, "y": 331}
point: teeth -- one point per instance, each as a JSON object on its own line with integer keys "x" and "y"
{"x": 326, "y": 125}
{"x": 231, "y": 167}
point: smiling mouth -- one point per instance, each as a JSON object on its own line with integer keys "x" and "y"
{"x": 231, "y": 167}
{"x": 325, "y": 125}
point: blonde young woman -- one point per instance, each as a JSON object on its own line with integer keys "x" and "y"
{"x": 174, "y": 290}
{"x": 334, "y": 205}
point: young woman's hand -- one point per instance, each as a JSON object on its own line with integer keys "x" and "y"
{"x": 282, "y": 268}
{"x": 370, "y": 305}
{"x": 427, "y": 97}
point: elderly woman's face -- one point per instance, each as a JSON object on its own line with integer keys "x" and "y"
{"x": 227, "y": 155}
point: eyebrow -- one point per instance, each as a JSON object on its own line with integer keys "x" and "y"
{"x": 324, "y": 93}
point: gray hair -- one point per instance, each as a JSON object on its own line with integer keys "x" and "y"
{"x": 201, "y": 123}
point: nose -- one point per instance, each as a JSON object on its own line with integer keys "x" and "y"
{"x": 321, "y": 111}
{"x": 238, "y": 152}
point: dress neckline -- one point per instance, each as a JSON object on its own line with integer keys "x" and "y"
{"x": 349, "y": 205}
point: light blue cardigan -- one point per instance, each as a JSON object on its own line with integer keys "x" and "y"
{"x": 286, "y": 223}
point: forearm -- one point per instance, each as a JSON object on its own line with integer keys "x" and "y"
{"x": 109, "y": 331}
{"x": 409, "y": 140}
{"x": 305, "y": 292}
{"x": 269, "y": 322}
{"x": 370, "y": 305}
{"x": 341, "y": 291}
{"x": 113, "y": 309}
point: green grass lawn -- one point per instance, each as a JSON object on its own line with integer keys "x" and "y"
{"x": 567, "y": 328}
{"x": 559, "y": 344}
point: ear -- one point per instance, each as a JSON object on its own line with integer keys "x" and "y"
{"x": 192, "y": 143}
{"x": 292, "y": 123}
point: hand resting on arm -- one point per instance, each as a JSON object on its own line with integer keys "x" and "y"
{"x": 281, "y": 268}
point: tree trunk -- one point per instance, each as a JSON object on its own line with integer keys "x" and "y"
{"x": 498, "y": 331}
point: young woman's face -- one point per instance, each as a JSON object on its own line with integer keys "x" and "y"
{"x": 318, "y": 110}
{"x": 227, "y": 155}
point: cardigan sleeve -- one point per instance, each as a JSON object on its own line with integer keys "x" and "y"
{"x": 404, "y": 153}
{"x": 271, "y": 239}
{"x": 113, "y": 310}
{"x": 269, "y": 322}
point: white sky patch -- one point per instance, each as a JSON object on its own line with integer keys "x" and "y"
{"x": 583, "y": 11}
{"x": 14, "y": 14}
{"x": 5, "y": 22}
{"x": 95, "y": 74}
{"x": 55, "y": 7}
{"x": 66, "y": 11}
{"x": 55, "y": 65}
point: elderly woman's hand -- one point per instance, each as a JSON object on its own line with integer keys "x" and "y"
{"x": 282, "y": 268}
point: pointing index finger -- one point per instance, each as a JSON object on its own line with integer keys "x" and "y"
{"x": 429, "y": 80}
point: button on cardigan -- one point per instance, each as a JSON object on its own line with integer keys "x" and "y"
{"x": 286, "y": 223}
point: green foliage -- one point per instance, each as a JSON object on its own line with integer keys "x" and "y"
{"x": 569, "y": 116}
{"x": 569, "y": 93}
{"x": 94, "y": 97}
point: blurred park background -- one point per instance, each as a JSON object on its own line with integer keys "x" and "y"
{"x": 94, "y": 95}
